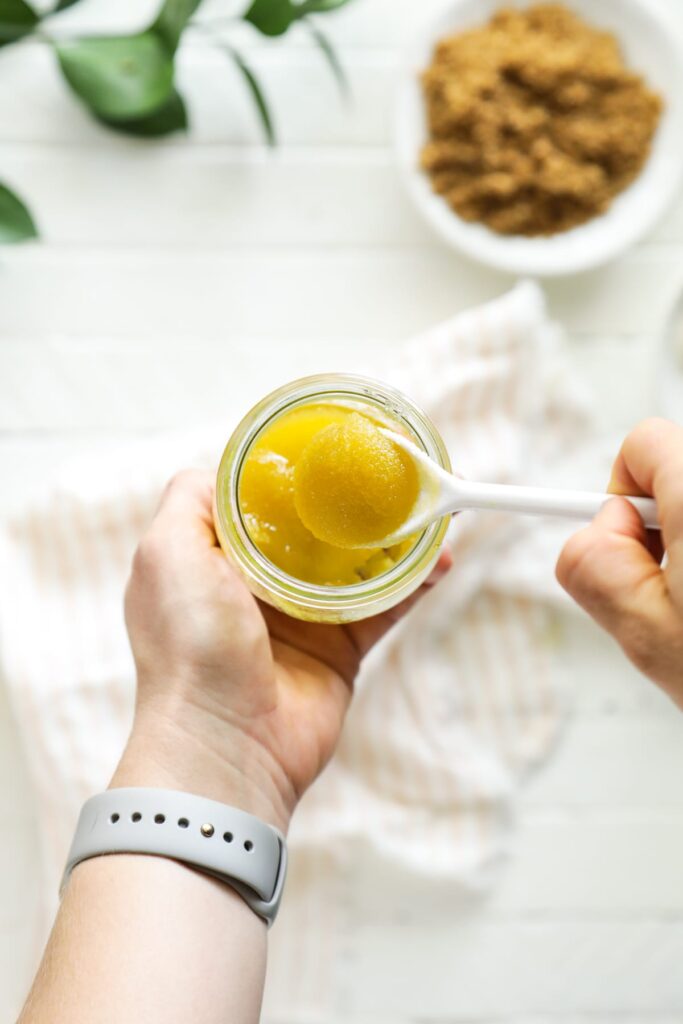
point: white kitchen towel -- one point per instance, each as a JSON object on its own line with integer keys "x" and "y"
{"x": 452, "y": 709}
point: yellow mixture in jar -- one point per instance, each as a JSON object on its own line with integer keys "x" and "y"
{"x": 325, "y": 471}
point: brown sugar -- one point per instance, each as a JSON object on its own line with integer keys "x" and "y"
{"x": 535, "y": 122}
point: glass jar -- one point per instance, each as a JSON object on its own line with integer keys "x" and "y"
{"x": 310, "y": 601}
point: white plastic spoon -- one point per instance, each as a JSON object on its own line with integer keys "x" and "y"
{"x": 441, "y": 493}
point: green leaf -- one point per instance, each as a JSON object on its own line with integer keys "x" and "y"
{"x": 271, "y": 17}
{"x": 320, "y": 6}
{"x": 328, "y": 52}
{"x": 172, "y": 19}
{"x": 63, "y": 5}
{"x": 118, "y": 77}
{"x": 257, "y": 94}
{"x": 16, "y": 223}
{"x": 274, "y": 17}
{"x": 17, "y": 20}
{"x": 172, "y": 117}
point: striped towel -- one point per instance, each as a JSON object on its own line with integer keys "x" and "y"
{"x": 452, "y": 709}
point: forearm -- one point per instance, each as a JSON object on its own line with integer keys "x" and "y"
{"x": 146, "y": 939}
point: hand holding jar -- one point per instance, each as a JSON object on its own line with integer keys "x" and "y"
{"x": 236, "y": 700}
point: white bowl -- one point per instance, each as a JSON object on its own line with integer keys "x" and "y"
{"x": 651, "y": 46}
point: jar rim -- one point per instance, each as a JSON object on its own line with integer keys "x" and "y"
{"x": 320, "y": 597}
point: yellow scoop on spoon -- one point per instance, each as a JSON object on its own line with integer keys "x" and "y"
{"x": 352, "y": 485}
{"x": 360, "y": 485}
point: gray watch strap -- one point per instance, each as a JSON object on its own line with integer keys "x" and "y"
{"x": 223, "y": 841}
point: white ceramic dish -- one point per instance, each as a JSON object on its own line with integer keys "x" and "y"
{"x": 651, "y": 46}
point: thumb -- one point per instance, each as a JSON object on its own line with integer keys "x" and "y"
{"x": 609, "y": 571}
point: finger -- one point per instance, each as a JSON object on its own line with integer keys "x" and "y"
{"x": 609, "y": 572}
{"x": 185, "y": 510}
{"x": 651, "y": 462}
{"x": 622, "y": 482}
{"x": 368, "y": 631}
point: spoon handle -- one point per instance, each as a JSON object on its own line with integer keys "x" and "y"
{"x": 543, "y": 501}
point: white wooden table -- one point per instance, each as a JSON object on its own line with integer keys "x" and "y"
{"x": 180, "y": 279}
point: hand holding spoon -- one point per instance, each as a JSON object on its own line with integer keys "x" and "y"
{"x": 442, "y": 493}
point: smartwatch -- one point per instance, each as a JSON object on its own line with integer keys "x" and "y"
{"x": 229, "y": 844}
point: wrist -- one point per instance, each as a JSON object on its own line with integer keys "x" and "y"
{"x": 185, "y": 748}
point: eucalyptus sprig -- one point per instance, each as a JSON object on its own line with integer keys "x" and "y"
{"x": 127, "y": 82}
